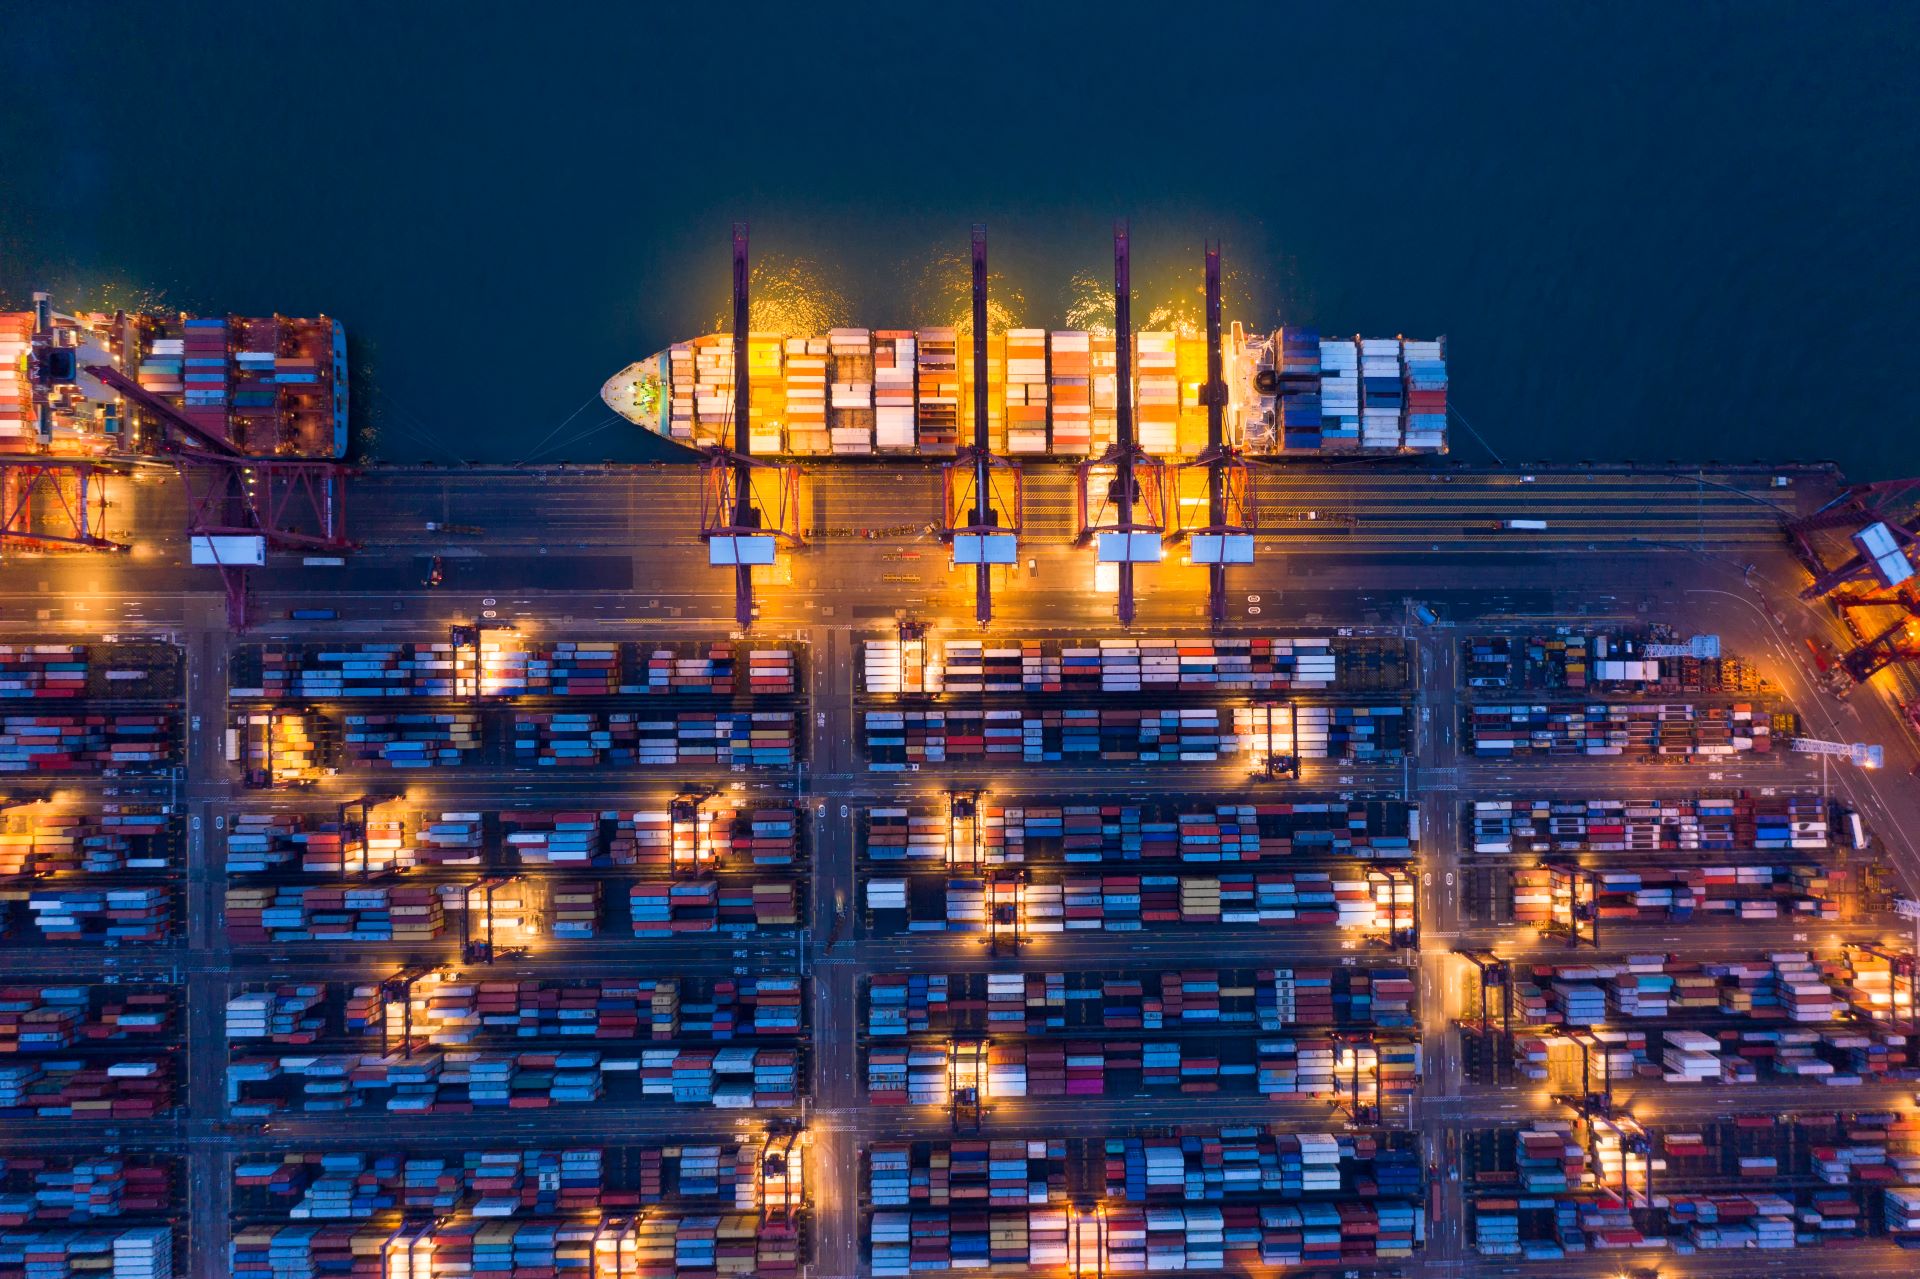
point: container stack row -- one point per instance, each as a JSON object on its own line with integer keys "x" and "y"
{"x": 351, "y": 669}
{"x": 1232, "y": 1238}
{"x": 647, "y": 1246}
{"x": 112, "y": 744}
{"x": 451, "y": 1010}
{"x": 1300, "y": 393}
{"x": 1704, "y": 824}
{"x": 92, "y": 672}
{"x": 510, "y": 667}
{"x": 850, "y": 387}
{"x": 649, "y": 840}
{"x": 562, "y": 909}
{"x": 77, "y": 1189}
{"x": 752, "y": 739}
{"x": 1204, "y": 1167}
{"x": 434, "y": 1081}
{"x": 936, "y": 410}
{"x": 50, "y": 841}
{"x": 505, "y": 665}
{"x": 899, "y": 740}
{"x": 1615, "y": 665}
{"x": 128, "y": 1252}
{"x": 442, "y": 739}
{"x": 363, "y": 1184}
{"x": 1718, "y": 1058}
{"x": 1033, "y": 1003}
{"x": 261, "y": 916}
{"x": 1631, "y": 729}
{"x": 1192, "y": 831}
{"x": 1196, "y": 665}
{"x": 1363, "y": 900}
{"x": 1752, "y": 1182}
{"x": 803, "y": 388}
{"x": 1012, "y": 1069}
{"x": 41, "y": 1019}
{"x": 733, "y": 907}
{"x": 851, "y": 392}
{"x": 1747, "y": 889}
{"x": 1026, "y": 392}
{"x": 116, "y": 916}
{"x": 893, "y": 372}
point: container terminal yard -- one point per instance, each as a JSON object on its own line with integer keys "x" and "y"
{"x": 1226, "y": 858}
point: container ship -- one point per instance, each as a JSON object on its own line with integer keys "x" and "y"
{"x": 1050, "y": 393}
{"x": 269, "y": 385}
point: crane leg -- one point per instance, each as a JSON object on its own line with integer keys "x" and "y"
{"x": 743, "y": 596}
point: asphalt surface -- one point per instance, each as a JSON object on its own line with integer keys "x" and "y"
{"x": 603, "y": 553}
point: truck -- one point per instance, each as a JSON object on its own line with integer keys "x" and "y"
{"x": 1523, "y": 525}
{"x": 461, "y": 530}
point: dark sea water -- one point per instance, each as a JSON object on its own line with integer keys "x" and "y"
{"x": 1649, "y": 231}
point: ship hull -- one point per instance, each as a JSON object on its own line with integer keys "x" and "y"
{"x": 1050, "y": 394}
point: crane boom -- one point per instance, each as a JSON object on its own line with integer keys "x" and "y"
{"x": 1861, "y": 753}
{"x": 1704, "y": 647}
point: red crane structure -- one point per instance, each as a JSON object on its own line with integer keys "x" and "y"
{"x": 1232, "y": 516}
{"x": 740, "y": 528}
{"x": 290, "y": 504}
{"x": 981, "y": 494}
{"x": 64, "y": 492}
{"x": 1876, "y": 572}
{"x": 1126, "y": 515}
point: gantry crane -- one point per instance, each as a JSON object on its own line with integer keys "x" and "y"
{"x": 399, "y": 989}
{"x": 1122, "y": 494}
{"x": 1860, "y": 754}
{"x": 353, "y": 828}
{"x": 981, "y": 493}
{"x": 1006, "y": 891}
{"x": 1495, "y": 972}
{"x": 1282, "y": 757}
{"x": 967, "y": 1065}
{"x": 467, "y": 636}
{"x": 1898, "y": 966}
{"x": 1087, "y": 1256}
{"x": 1879, "y": 572}
{"x": 1886, "y": 505}
{"x": 683, "y": 814}
{"x": 1588, "y": 1101}
{"x": 964, "y": 844}
{"x": 743, "y": 522}
{"x": 1363, "y": 1113}
{"x": 1399, "y": 935}
{"x": 1572, "y": 878}
{"x": 1227, "y": 536}
{"x": 69, "y": 490}
{"x": 67, "y": 493}
{"x": 239, "y": 505}
{"x": 477, "y": 944}
{"x": 779, "y": 1161}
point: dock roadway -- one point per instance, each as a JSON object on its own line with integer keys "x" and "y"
{"x": 610, "y": 553}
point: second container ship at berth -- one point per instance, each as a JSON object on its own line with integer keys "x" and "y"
{"x": 267, "y": 386}
{"x": 1050, "y": 393}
